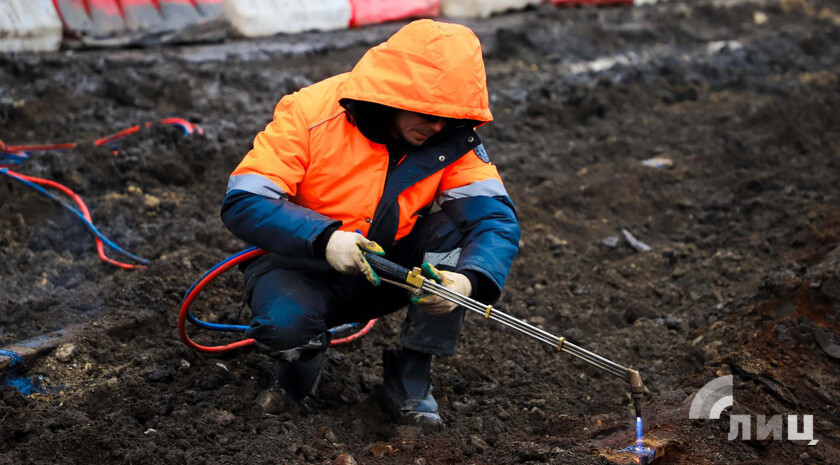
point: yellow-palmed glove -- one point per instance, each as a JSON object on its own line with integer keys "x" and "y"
{"x": 344, "y": 254}
{"x": 434, "y": 305}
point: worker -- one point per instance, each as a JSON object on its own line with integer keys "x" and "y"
{"x": 383, "y": 159}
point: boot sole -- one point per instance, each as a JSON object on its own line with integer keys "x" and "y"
{"x": 399, "y": 417}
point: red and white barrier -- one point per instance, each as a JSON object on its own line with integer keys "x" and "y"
{"x": 482, "y": 8}
{"x": 380, "y": 11}
{"x": 123, "y": 22}
{"x": 36, "y": 25}
{"x": 260, "y": 18}
{"x": 29, "y": 26}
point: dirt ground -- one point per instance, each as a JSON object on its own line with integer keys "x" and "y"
{"x": 743, "y": 275}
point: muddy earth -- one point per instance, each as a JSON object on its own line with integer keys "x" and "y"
{"x": 742, "y": 277}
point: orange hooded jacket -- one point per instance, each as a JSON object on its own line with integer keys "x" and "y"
{"x": 314, "y": 155}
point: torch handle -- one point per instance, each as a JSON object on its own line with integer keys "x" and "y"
{"x": 386, "y": 267}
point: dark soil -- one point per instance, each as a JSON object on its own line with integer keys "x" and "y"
{"x": 744, "y": 271}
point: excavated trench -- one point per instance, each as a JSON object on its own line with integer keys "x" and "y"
{"x": 742, "y": 220}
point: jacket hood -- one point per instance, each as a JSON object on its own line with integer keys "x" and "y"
{"x": 427, "y": 67}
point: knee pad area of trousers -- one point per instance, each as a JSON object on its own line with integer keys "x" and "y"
{"x": 276, "y": 337}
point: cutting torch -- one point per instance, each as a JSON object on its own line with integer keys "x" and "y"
{"x": 417, "y": 282}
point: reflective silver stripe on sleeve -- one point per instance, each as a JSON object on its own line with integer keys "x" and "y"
{"x": 255, "y": 184}
{"x": 443, "y": 258}
{"x": 488, "y": 187}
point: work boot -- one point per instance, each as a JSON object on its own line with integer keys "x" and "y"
{"x": 299, "y": 378}
{"x": 296, "y": 375}
{"x": 293, "y": 389}
{"x": 407, "y": 389}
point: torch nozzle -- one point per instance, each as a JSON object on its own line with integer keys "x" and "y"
{"x": 637, "y": 390}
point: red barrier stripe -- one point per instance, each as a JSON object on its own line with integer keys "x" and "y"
{"x": 126, "y": 4}
{"x": 366, "y": 12}
{"x": 109, "y": 7}
{"x": 57, "y": 7}
{"x": 84, "y": 4}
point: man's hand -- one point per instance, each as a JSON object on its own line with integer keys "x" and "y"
{"x": 434, "y": 305}
{"x": 344, "y": 254}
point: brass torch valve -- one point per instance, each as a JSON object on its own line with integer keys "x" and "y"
{"x": 637, "y": 389}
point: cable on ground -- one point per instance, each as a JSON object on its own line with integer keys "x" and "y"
{"x": 192, "y": 293}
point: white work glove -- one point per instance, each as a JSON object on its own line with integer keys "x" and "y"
{"x": 434, "y": 305}
{"x": 344, "y": 254}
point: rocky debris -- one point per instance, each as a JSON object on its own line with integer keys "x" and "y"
{"x": 479, "y": 444}
{"x": 829, "y": 342}
{"x": 65, "y": 352}
{"x": 276, "y": 402}
{"x": 344, "y": 459}
{"x": 636, "y": 244}
{"x": 381, "y": 450}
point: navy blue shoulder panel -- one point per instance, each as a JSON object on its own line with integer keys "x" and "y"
{"x": 416, "y": 166}
{"x": 491, "y": 231}
{"x": 275, "y": 225}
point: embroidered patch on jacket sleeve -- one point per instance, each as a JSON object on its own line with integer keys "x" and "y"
{"x": 482, "y": 153}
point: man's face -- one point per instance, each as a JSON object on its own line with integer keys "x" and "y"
{"x": 416, "y": 128}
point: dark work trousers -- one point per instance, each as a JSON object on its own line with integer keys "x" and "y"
{"x": 294, "y": 301}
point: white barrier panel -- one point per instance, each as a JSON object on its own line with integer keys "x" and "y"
{"x": 29, "y": 26}
{"x": 257, "y": 18}
{"x": 481, "y": 8}
{"x": 147, "y": 22}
